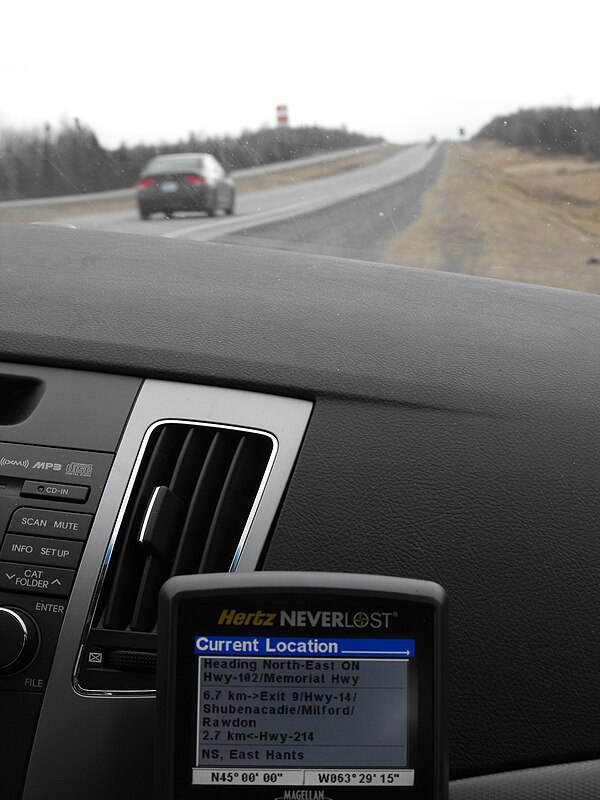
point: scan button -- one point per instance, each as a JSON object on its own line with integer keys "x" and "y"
{"x": 44, "y": 522}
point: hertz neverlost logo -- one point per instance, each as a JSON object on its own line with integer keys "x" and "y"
{"x": 234, "y": 617}
{"x": 306, "y": 619}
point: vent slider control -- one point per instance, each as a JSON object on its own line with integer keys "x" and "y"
{"x": 162, "y": 522}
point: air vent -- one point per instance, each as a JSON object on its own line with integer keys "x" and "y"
{"x": 191, "y": 504}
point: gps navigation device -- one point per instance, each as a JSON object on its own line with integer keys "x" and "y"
{"x": 294, "y": 686}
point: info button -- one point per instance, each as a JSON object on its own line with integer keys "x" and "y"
{"x": 38, "y": 550}
{"x": 66, "y": 492}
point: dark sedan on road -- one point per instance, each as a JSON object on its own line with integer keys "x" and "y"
{"x": 184, "y": 182}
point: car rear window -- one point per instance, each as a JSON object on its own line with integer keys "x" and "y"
{"x": 163, "y": 166}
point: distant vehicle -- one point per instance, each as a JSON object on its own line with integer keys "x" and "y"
{"x": 184, "y": 182}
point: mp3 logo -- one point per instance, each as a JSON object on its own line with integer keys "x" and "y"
{"x": 47, "y": 465}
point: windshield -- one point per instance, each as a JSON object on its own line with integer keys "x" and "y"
{"x": 452, "y": 136}
{"x": 162, "y": 166}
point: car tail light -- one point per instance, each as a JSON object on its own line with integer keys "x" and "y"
{"x": 195, "y": 180}
{"x": 145, "y": 183}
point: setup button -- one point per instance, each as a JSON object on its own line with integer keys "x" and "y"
{"x": 66, "y": 492}
{"x": 39, "y": 550}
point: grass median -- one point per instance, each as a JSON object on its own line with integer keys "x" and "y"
{"x": 502, "y": 212}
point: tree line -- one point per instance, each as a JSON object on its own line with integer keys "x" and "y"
{"x": 49, "y": 161}
{"x": 549, "y": 130}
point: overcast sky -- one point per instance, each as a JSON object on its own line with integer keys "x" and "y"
{"x": 156, "y": 71}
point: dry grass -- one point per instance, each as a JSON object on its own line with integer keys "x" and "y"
{"x": 43, "y": 213}
{"x": 505, "y": 213}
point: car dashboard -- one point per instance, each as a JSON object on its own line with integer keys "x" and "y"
{"x": 318, "y": 414}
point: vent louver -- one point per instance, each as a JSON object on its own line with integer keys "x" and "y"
{"x": 192, "y": 499}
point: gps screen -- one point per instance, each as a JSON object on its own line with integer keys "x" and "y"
{"x": 300, "y": 686}
{"x": 300, "y": 711}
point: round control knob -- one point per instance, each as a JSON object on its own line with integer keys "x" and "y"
{"x": 19, "y": 640}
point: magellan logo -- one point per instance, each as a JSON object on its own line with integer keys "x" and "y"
{"x": 306, "y": 619}
{"x": 303, "y": 794}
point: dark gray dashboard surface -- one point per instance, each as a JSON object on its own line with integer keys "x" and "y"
{"x": 297, "y": 324}
{"x": 455, "y": 437}
{"x": 64, "y": 394}
{"x": 578, "y": 781}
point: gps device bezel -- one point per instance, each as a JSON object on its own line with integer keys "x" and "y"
{"x": 181, "y": 602}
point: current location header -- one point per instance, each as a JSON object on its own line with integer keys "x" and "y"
{"x": 303, "y": 646}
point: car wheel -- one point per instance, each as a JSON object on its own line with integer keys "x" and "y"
{"x": 231, "y": 207}
{"x": 144, "y": 214}
{"x": 168, "y": 214}
{"x": 212, "y": 211}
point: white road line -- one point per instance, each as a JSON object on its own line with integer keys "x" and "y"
{"x": 223, "y": 227}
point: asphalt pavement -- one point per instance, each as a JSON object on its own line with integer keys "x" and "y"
{"x": 360, "y": 227}
{"x": 353, "y": 213}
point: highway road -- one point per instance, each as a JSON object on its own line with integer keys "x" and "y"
{"x": 359, "y": 227}
{"x": 351, "y": 213}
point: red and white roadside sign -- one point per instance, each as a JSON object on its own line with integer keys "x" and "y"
{"x": 282, "y": 114}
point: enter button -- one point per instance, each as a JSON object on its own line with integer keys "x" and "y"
{"x": 38, "y": 550}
